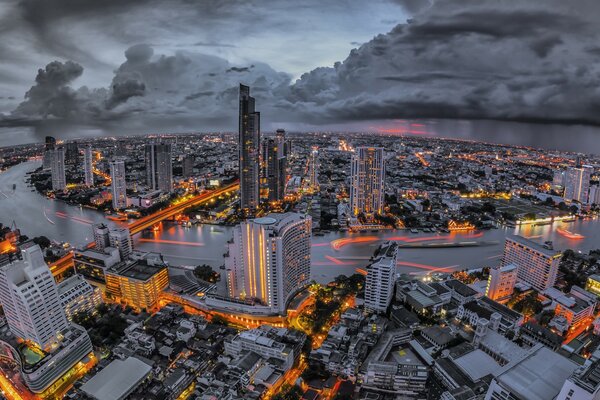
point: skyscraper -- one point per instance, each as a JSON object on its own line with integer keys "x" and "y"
{"x": 536, "y": 264}
{"x": 381, "y": 277}
{"x": 30, "y": 299}
{"x": 249, "y": 151}
{"x": 577, "y": 183}
{"x": 49, "y": 144}
{"x": 313, "y": 169}
{"x": 281, "y": 146}
{"x": 71, "y": 153}
{"x": 57, "y": 168}
{"x": 188, "y": 165}
{"x": 367, "y": 187}
{"x": 120, "y": 239}
{"x": 274, "y": 169}
{"x": 501, "y": 282}
{"x": 88, "y": 166}
{"x": 159, "y": 167}
{"x": 269, "y": 259}
{"x": 118, "y": 184}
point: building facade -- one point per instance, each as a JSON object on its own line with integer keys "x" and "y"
{"x": 159, "y": 167}
{"x": 381, "y": 276}
{"x": 118, "y": 184}
{"x": 120, "y": 238}
{"x": 57, "y": 168}
{"x": 501, "y": 282}
{"x": 78, "y": 296}
{"x": 249, "y": 150}
{"x": 577, "y": 183}
{"x": 88, "y": 166}
{"x": 367, "y": 186}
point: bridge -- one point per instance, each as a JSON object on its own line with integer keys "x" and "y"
{"x": 63, "y": 264}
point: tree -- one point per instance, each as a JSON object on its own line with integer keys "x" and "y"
{"x": 42, "y": 241}
{"x": 206, "y": 273}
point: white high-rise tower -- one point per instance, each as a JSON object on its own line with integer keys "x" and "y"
{"x": 118, "y": 184}
{"x": 57, "y": 168}
{"x": 88, "y": 166}
{"x": 381, "y": 278}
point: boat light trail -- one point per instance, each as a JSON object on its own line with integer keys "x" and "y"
{"x": 175, "y": 242}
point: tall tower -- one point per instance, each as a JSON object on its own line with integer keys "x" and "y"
{"x": 118, "y": 184}
{"x": 577, "y": 185}
{"x": 275, "y": 169}
{"x": 88, "y": 166}
{"x": 49, "y": 145}
{"x": 57, "y": 169}
{"x": 381, "y": 278}
{"x": 269, "y": 259}
{"x": 249, "y": 151}
{"x": 280, "y": 139}
{"x": 188, "y": 165}
{"x": 313, "y": 169}
{"x": 159, "y": 167}
{"x": 30, "y": 299}
{"x": 71, "y": 153}
{"x": 367, "y": 188}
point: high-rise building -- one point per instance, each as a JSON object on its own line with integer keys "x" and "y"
{"x": 367, "y": 186}
{"x": 501, "y": 282}
{"x": 118, "y": 184}
{"x": 30, "y": 299}
{"x": 269, "y": 259}
{"x": 249, "y": 150}
{"x": 120, "y": 238}
{"x": 594, "y": 196}
{"x": 280, "y": 140}
{"x": 536, "y": 265}
{"x": 88, "y": 167}
{"x": 577, "y": 183}
{"x": 49, "y": 144}
{"x": 101, "y": 237}
{"x": 274, "y": 169}
{"x": 71, "y": 153}
{"x": 188, "y": 165}
{"x": 159, "y": 167}
{"x": 57, "y": 168}
{"x": 313, "y": 169}
{"x": 381, "y": 277}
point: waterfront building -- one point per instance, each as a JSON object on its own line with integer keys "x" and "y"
{"x": 577, "y": 183}
{"x": 367, "y": 186}
{"x": 537, "y": 265}
{"x": 78, "y": 296}
{"x": 88, "y": 167}
{"x": 120, "y": 238}
{"x": 501, "y": 282}
{"x": 93, "y": 263}
{"x": 57, "y": 169}
{"x": 269, "y": 259}
{"x": 249, "y": 150}
{"x": 381, "y": 276}
{"x": 101, "y": 237}
{"x": 118, "y": 184}
{"x": 49, "y": 145}
{"x": 159, "y": 167}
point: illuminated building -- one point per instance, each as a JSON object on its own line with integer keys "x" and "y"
{"x": 381, "y": 276}
{"x": 282, "y": 150}
{"x": 576, "y": 306}
{"x": 120, "y": 238}
{"x": 57, "y": 168}
{"x": 49, "y": 145}
{"x": 30, "y": 299}
{"x": 313, "y": 169}
{"x": 77, "y": 295}
{"x": 92, "y": 263}
{"x": 137, "y": 283}
{"x": 593, "y": 284}
{"x": 269, "y": 259}
{"x": 159, "y": 167}
{"x": 577, "y": 183}
{"x": 249, "y": 149}
{"x": 537, "y": 265}
{"x": 101, "y": 237}
{"x": 274, "y": 169}
{"x": 118, "y": 184}
{"x": 501, "y": 282}
{"x": 367, "y": 186}
{"x": 594, "y": 196}
{"x": 88, "y": 166}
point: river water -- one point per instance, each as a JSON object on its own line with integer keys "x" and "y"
{"x": 332, "y": 254}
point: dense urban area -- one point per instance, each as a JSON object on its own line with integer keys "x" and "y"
{"x": 104, "y": 320}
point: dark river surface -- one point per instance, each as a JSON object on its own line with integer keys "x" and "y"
{"x": 332, "y": 254}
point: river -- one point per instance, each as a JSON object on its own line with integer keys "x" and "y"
{"x": 333, "y": 254}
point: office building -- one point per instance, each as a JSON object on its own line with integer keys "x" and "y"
{"x": 101, "y": 237}
{"x": 120, "y": 238}
{"x": 88, "y": 166}
{"x": 187, "y": 165}
{"x": 78, "y": 296}
{"x": 274, "y": 168}
{"x": 269, "y": 259}
{"x": 57, "y": 169}
{"x": 49, "y": 145}
{"x": 30, "y": 299}
{"x": 501, "y": 282}
{"x": 367, "y": 186}
{"x": 381, "y": 276}
{"x": 137, "y": 283}
{"x": 118, "y": 184}
{"x": 577, "y": 183}
{"x": 537, "y": 265}
{"x": 249, "y": 150}
{"x": 159, "y": 167}
{"x": 71, "y": 153}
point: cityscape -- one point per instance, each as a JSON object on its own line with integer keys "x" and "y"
{"x": 147, "y": 254}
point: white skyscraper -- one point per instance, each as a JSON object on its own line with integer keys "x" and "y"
{"x": 367, "y": 187}
{"x": 269, "y": 259}
{"x": 88, "y": 166}
{"x": 501, "y": 282}
{"x": 30, "y": 299}
{"x": 120, "y": 239}
{"x": 57, "y": 168}
{"x": 536, "y": 264}
{"x": 381, "y": 277}
{"x": 118, "y": 184}
{"x": 577, "y": 183}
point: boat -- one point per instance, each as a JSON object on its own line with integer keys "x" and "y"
{"x": 543, "y": 223}
{"x": 414, "y": 230}
{"x": 117, "y": 217}
{"x": 571, "y": 219}
{"x": 569, "y": 234}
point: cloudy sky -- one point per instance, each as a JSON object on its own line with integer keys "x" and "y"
{"x": 124, "y": 66}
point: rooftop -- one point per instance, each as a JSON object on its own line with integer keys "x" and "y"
{"x": 138, "y": 269}
{"x": 533, "y": 245}
{"x": 118, "y": 379}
